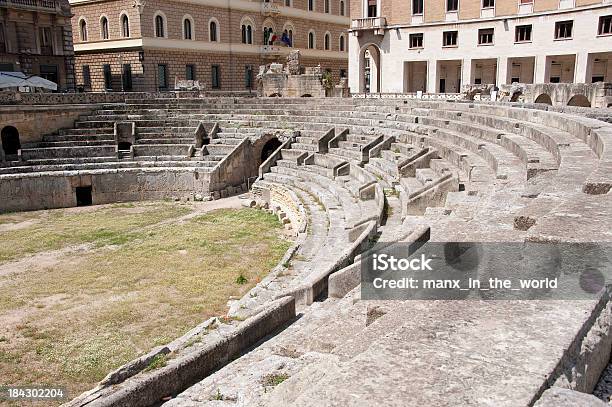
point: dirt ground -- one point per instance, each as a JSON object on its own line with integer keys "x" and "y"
{"x": 84, "y": 290}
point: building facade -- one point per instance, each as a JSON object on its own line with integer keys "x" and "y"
{"x": 150, "y": 45}
{"x": 36, "y": 38}
{"x": 437, "y": 46}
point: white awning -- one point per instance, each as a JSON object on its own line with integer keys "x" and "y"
{"x": 20, "y": 80}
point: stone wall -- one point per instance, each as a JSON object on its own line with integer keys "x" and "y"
{"x": 561, "y": 94}
{"x": 58, "y": 190}
{"x": 284, "y": 85}
{"x": 33, "y": 122}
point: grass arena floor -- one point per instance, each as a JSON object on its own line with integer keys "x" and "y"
{"x": 84, "y": 290}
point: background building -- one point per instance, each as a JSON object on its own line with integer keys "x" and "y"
{"x": 36, "y": 38}
{"x": 147, "y": 45}
{"x": 436, "y": 46}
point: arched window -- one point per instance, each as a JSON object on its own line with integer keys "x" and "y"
{"x": 125, "y": 26}
{"x": 288, "y": 33}
{"x": 247, "y": 34}
{"x": 187, "y": 28}
{"x": 213, "y": 30}
{"x": 341, "y": 45}
{"x": 160, "y": 26}
{"x": 326, "y": 3}
{"x": 311, "y": 40}
{"x": 83, "y": 28}
{"x": 342, "y": 7}
{"x": 104, "y": 28}
{"x": 327, "y": 41}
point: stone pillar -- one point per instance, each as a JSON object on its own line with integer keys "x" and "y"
{"x": 582, "y": 70}
{"x": 502, "y": 70}
{"x": 432, "y": 76}
{"x": 541, "y": 69}
{"x": 69, "y": 60}
{"x": 466, "y": 72}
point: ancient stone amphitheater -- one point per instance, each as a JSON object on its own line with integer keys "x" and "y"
{"x": 342, "y": 174}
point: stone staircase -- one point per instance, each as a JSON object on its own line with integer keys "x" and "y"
{"x": 375, "y": 170}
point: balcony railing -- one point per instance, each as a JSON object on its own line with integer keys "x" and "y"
{"x": 49, "y": 5}
{"x": 370, "y": 23}
{"x": 270, "y": 50}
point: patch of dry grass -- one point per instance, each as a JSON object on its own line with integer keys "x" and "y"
{"x": 71, "y": 323}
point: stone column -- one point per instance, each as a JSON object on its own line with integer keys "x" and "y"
{"x": 502, "y": 70}
{"x": 432, "y": 76}
{"x": 466, "y": 72}
{"x": 582, "y": 68}
{"x": 541, "y": 69}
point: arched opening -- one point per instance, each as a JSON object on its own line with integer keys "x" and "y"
{"x": 275, "y": 95}
{"x": 270, "y": 147}
{"x": 10, "y": 140}
{"x": 579, "y": 100}
{"x": 125, "y": 26}
{"x": 160, "y": 30}
{"x": 311, "y": 40}
{"x": 187, "y": 34}
{"x": 104, "y": 31}
{"x": 544, "y": 98}
{"x": 515, "y": 96}
{"x": 212, "y": 31}
{"x": 369, "y": 69}
{"x": 306, "y": 95}
{"x": 83, "y": 30}
{"x": 124, "y": 146}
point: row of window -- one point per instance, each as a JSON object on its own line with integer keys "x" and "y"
{"x": 269, "y": 36}
{"x": 104, "y": 28}
{"x": 522, "y": 33}
{"x": 163, "y": 76}
{"x": 326, "y": 6}
{"x": 45, "y": 40}
{"x": 453, "y": 5}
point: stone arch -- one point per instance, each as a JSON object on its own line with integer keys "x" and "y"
{"x": 188, "y": 27}
{"x": 269, "y": 147}
{"x": 544, "y": 98}
{"x": 579, "y": 100}
{"x": 306, "y": 95}
{"x": 247, "y": 27}
{"x": 327, "y": 41}
{"x": 290, "y": 29}
{"x": 268, "y": 22}
{"x": 515, "y": 96}
{"x": 370, "y": 76}
{"x": 10, "y": 140}
{"x": 124, "y": 20}
{"x": 312, "y": 39}
{"x": 83, "y": 32}
{"x": 214, "y": 30}
{"x": 104, "y": 27}
{"x": 160, "y": 24}
{"x": 275, "y": 95}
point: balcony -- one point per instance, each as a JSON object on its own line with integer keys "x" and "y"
{"x": 38, "y": 5}
{"x": 377, "y": 24}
